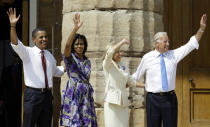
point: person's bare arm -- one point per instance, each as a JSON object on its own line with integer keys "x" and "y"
{"x": 140, "y": 84}
{"x": 77, "y": 25}
{"x": 13, "y": 20}
{"x": 202, "y": 28}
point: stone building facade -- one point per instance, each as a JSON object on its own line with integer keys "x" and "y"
{"x": 109, "y": 21}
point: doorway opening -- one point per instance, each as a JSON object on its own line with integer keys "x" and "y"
{"x": 10, "y": 69}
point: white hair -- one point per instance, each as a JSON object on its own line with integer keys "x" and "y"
{"x": 158, "y": 35}
{"x": 110, "y": 45}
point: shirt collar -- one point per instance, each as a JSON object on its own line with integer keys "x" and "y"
{"x": 84, "y": 57}
{"x": 156, "y": 53}
{"x": 37, "y": 50}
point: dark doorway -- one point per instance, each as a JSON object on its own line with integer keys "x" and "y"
{"x": 10, "y": 69}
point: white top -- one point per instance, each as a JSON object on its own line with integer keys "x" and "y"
{"x": 116, "y": 77}
{"x": 32, "y": 65}
{"x": 150, "y": 65}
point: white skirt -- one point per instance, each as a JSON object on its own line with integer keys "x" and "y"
{"x": 115, "y": 115}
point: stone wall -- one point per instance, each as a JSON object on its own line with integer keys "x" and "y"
{"x": 108, "y": 21}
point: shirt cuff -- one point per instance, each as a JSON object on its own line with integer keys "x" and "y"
{"x": 134, "y": 76}
{"x": 61, "y": 68}
{"x": 16, "y": 46}
{"x": 110, "y": 51}
{"x": 194, "y": 42}
{"x": 109, "y": 54}
{"x": 134, "y": 83}
{"x": 131, "y": 81}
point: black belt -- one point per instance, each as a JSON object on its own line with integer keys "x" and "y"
{"x": 39, "y": 89}
{"x": 163, "y": 93}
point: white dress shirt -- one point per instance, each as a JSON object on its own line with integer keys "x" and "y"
{"x": 32, "y": 65}
{"x": 116, "y": 77}
{"x": 150, "y": 65}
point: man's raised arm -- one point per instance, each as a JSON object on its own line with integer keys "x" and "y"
{"x": 202, "y": 28}
{"x": 13, "y": 20}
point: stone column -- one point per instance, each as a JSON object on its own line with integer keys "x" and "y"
{"x": 109, "y": 21}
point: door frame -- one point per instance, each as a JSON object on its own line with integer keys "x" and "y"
{"x": 25, "y": 39}
{"x": 187, "y": 29}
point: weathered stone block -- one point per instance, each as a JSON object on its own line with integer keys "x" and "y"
{"x": 87, "y": 5}
{"x": 101, "y": 28}
{"x": 78, "y": 5}
{"x": 64, "y": 80}
{"x": 98, "y": 83}
{"x": 137, "y": 117}
{"x": 105, "y": 4}
{"x": 100, "y": 116}
{"x": 97, "y": 28}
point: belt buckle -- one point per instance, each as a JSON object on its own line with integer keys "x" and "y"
{"x": 161, "y": 93}
{"x": 42, "y": 90}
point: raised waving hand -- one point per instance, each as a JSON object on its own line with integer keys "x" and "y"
{"x": 77, "y": 24}
{"x": 13, "y": 20}
{"x": 202, "y": 28}
{"x": 203, "y": 21}
{"x": 12, "y": 16}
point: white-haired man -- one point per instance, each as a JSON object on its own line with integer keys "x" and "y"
{"x": 159, "y": 66}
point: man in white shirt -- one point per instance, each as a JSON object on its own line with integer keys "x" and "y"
{"x": 39, "y": 68}
{"x": 159, "y": 66}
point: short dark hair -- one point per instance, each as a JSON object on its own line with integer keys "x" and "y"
{"x": 79, "y": 36}
{"x": 37, "y": 30}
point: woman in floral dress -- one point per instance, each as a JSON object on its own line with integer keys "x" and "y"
{"x": 77, "y": 108}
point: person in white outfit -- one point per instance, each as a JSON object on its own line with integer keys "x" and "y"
{"x": 117, "y": 79}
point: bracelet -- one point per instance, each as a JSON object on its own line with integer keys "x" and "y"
{"x": 201, "y": 31}
{"x": 12, "y": 26}
{"x": 203, "y": 25}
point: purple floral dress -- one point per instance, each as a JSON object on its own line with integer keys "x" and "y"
{"x": 77, "y": 108}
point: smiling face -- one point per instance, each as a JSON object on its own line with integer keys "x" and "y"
{"x": 79, "y": 46}
{"x": 40, "y": 39}
{"x": 162, "y": 44}
{"x": 117, "y": 56}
